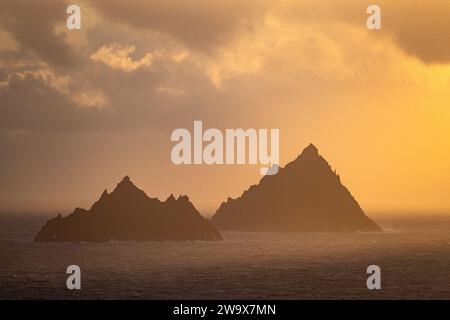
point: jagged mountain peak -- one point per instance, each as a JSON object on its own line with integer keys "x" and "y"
{"x": 126, "y": 183}
{"x": 304, "y": 196}
{"x": 128, "y": 213}
{"x": 127, "y": 188}
{"x": 311, "y": 149}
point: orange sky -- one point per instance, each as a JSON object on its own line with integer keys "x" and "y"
{"x": 81, "y": 109}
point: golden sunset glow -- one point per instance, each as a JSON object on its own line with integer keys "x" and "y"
{"x": 84, "y": 108}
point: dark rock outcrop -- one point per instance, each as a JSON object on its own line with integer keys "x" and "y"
{"x": 128, "y": 213}
{"x": 305, "y": 196}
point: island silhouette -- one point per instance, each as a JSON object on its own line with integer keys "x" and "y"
{"x": 128, "y": 214}
{"x": 305, "y": 196}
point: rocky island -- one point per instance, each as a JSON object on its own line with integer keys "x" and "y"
{"x": 305, "y": 196}
{"x": 128, "y": 214}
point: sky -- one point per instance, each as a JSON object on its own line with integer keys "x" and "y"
{"x": 80, "y": 109}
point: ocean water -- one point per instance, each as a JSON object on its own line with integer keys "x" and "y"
{"x": 413, "y": 254}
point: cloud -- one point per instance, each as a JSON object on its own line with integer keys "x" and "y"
{"x": 90, "y": 98}
{"x": 62, "y": 84}
{"x": 420, "y": 28}
{"x": 42, "y": 101}
{"x": 32, "y": 26}
{"x": 180, "y": 56}
{"x": 118, "y": 57}
{"x": 200, "y": 24}
{"x": 158, "y": 62}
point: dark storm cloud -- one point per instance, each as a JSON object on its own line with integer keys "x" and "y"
{"x": 31, "y": 103}
{"x": 41, "y": 101}
{"x": 28, "y": 103}
{"x": 201, "y": 24}
{"x": 421, "y": 28}
{"x": 32, "y": 24}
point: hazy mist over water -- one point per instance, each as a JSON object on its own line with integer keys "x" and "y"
{"x": 413, "y": 253}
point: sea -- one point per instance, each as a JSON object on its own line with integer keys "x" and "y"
{"x": 413, "y": 254}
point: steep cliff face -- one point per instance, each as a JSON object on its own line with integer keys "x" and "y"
{"x": 128, "y": 213}
{"x": 306, "y": 195}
